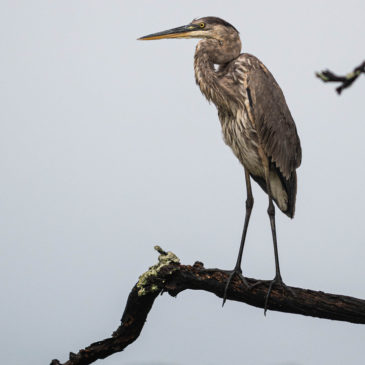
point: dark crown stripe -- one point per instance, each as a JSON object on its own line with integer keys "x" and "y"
{"x": 215, "y": 20}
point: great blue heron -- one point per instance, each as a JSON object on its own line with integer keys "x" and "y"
{"x": 256, "y": 121}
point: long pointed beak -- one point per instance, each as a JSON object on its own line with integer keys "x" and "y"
{"x": 180, "y": 32}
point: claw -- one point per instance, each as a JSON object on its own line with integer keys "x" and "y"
{"x": 277, "y": 280}
{"x": 238, "y": 272}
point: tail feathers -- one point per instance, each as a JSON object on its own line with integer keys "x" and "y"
{"x": 288, "y": 189}
{"x": 291, "y": 190}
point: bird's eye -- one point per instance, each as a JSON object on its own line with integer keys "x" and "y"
{"x": 202, "y": 25}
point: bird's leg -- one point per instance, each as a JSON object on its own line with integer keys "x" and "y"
{"x": 277, "y": 280}
{"x": 237, "y": 269}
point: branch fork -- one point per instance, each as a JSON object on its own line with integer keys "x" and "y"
{"x": 347, "y": 80}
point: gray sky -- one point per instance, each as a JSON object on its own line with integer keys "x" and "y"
{"x": 108, "y": 148}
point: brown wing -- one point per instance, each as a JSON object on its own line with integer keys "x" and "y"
{"x": 274, "y": 124}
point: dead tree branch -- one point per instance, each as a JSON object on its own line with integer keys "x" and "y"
{"x": 172, "y": 277}
{"x": 347, "y": 80}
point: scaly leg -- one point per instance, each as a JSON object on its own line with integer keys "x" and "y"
{"x": 237, "y": 269}
{"x": 277, "y": 280}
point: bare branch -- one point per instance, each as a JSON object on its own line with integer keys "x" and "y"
{"x": 172, "y": 277}
{"x": 347, "y": 80}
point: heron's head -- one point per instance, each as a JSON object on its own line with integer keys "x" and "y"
{"x": 220, "y": 36}
{"x": 208, "y": 27}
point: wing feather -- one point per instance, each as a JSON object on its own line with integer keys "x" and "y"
{"x": 273, "y": 121}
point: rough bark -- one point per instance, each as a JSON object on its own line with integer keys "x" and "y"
{"x": 172, "y": 277}
{"x": 346, "y": 81}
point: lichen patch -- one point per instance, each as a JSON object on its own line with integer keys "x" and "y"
{"x": 164, "y": 259}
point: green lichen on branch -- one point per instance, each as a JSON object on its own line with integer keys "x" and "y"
{"x": 353, "y": 74}
{"x": 165, "y": 259}
{"x": 322, "y": 76}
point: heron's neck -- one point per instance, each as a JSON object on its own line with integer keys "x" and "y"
{"x": 208, "y": 79}
{"x": 214, "y": 84}
{"x": 205, "y": 75}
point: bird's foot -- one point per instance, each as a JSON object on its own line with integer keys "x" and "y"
{"x": 236, "y": 271}
{"x": 279, "y": 281}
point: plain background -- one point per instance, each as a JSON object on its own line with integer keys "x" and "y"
{"x": 107, "y": 148}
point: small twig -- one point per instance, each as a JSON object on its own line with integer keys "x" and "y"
{"x": 172, "y": 277}
{"x": 347, "y": 80}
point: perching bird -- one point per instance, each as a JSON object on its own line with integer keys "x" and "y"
{"x": 256, "y": 121}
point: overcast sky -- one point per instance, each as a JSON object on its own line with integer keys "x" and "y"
{"x": 107, "y": 148}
